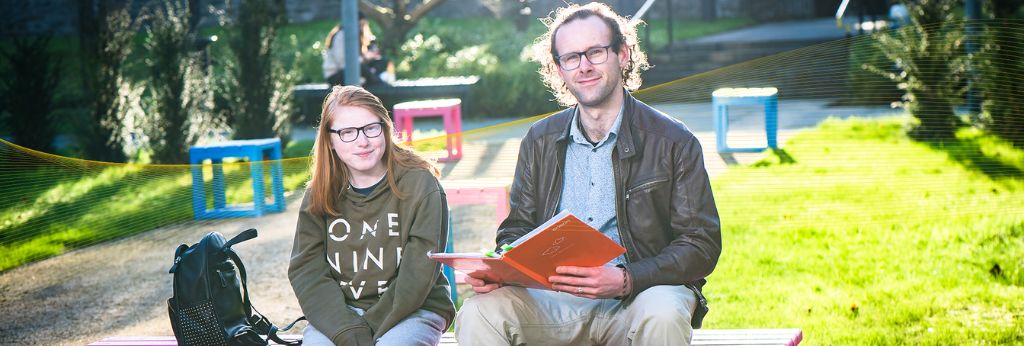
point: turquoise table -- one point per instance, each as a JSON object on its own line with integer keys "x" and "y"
{"x": 721, "y": 99}
{"x": 254, "y": 151}
{"x": 449, "y": 273}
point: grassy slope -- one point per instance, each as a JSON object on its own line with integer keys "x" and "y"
{"x": 872, "y": 238}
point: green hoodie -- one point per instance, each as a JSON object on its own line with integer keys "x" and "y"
{"x": 374, "y": 257}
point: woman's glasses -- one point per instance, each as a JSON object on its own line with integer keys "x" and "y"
{"x": 348, "y": 134}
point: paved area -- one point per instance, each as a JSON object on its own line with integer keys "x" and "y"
{"x": 818, "y": 29}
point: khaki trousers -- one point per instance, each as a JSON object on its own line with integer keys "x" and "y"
{"x": 659, "y": 315}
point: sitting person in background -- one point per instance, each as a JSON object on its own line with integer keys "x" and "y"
{"x": 374, "y": 67}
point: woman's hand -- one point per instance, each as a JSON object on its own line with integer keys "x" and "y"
{"x": 481, "y": 286}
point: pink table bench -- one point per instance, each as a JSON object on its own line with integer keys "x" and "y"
{"x": 450, "y": 110}
{"x": 496, "y": 195}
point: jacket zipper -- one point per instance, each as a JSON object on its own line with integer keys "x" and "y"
{"x": 642, "y": 186}
{"x": 559, "y": 184}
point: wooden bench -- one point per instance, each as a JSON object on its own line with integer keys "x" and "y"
{"x": 310, "y": 97}
{"x": 701, "y": 337}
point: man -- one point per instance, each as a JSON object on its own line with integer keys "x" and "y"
{"x": 630, "y": 171}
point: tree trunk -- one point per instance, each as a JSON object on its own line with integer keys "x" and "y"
{"x": 938, "y": 122}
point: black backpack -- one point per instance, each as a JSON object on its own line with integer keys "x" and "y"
{"x": 209, "y": 307}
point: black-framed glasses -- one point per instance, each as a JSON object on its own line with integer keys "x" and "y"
{"x": 571, "y": 61}
{"x": 348, "y": 134}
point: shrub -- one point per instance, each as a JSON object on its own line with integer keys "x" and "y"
{"x": 105, "y": 40}
{"x": 867, "y": 87}
{"x": 929, "y": 54}
{"x": 509, "y": 85}
{"x": 180, "y": 100}
{"x": 255, "y": 91}
{"x": 999, "y": 64}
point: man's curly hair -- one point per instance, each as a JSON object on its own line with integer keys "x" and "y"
{"x": 622, "y": 32}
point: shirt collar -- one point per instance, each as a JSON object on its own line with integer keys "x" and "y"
{"x": 576, "y": 133}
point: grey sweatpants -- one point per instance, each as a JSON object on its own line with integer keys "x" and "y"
{"x": 422, "y": 327}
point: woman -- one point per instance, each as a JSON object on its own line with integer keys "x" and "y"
{"x": 374, "y": 67}
{"x": 334, "y": 50}
{"x": 371, "y": 213}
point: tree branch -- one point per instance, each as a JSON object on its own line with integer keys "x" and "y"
{"x": 422, "y": 10}
{"x": 380, "y": 14}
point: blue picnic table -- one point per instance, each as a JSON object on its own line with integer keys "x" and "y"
{"x": 252, "y": 150}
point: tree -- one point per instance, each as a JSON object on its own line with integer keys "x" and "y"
{"x": 257, "y": 89}
{"x": 1000, "y": 63}
{"x": 396, "y": 21}
{"x": 932, "y": 66}
{"x": 30, "y": 90}
{"x": 180, "y": 102}
{"x": 105, "y": 36}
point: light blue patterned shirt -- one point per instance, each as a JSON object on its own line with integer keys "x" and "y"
{"x": 589, "y": 187}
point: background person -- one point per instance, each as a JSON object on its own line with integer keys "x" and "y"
{"x": 374, "y": 67}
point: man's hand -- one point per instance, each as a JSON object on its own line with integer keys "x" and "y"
{"x": 481, "y": 286}
{"x": 589, "y": 282}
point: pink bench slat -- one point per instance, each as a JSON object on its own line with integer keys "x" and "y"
{"x": 781, "y": 337}
{"x": 701, "y": 337}
{"x": 155, "y": 340}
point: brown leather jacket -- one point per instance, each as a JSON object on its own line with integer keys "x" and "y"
{"x": 667, "y": 218}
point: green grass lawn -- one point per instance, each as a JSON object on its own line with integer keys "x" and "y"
{"x": 870, "y": 238}
{"x": 53, "y": 204}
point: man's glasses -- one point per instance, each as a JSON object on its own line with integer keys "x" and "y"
{"x": 348, "y": 134}
{"x": 571, "y": 61}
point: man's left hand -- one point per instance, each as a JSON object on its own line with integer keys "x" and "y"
{"x": 588, "y": 282}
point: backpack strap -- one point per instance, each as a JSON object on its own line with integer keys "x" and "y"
{"x": 260, "y": 323}
{"x": 245, "y": 235}
{"x": 263, "y": 325}
{"x": 241, "y": 271}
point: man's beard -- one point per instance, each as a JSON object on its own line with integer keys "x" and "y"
{"x": 598, "y": 95}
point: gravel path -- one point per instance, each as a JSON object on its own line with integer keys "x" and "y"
{"x": 121, "y": 287}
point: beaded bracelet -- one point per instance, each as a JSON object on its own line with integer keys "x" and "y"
{"x": 625, "y": 277}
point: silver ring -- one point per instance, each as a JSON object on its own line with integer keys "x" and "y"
{"x": 579, "y": 290}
